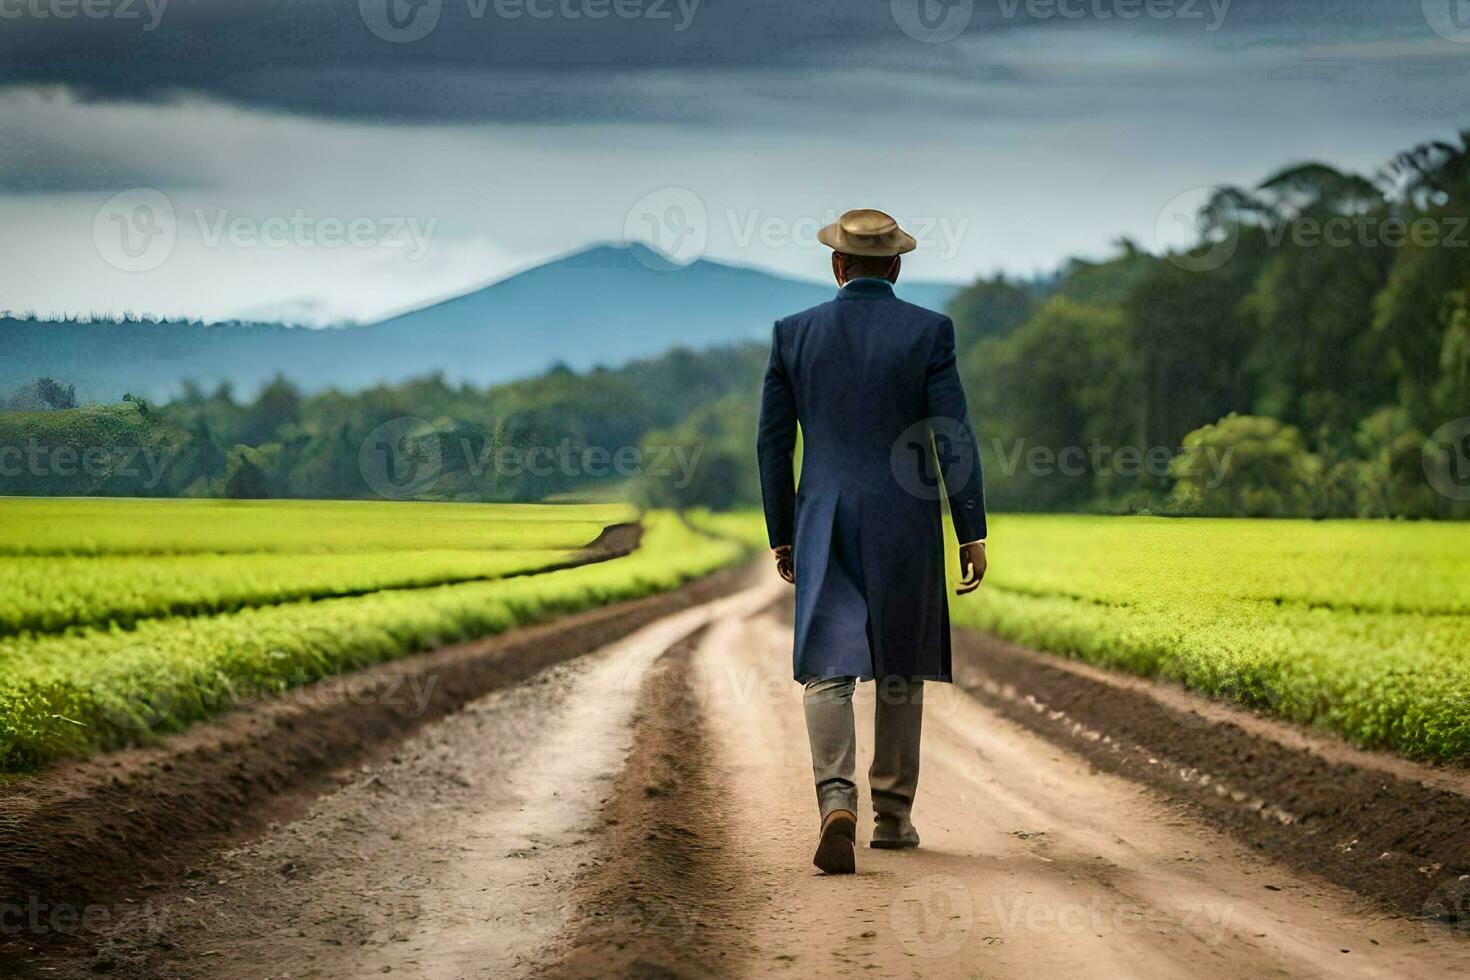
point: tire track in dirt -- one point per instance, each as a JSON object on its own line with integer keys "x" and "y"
{"x": 647, "y": 811}
{"x": 454, "y": 856}
{"x": 648, "y": 907}
{"x": 1034, "y": 862}
{"x": 1386, "y": 828}
{"x": 87, "y": 833}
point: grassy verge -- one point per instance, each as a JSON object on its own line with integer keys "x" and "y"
{"x": 52, "y": 595}
{"x": 98, "y": 689}
{"x": 117, "y": 526}
{"x": 1361, "y": 628}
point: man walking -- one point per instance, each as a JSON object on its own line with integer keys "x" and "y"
{"x": 872, "y": 382}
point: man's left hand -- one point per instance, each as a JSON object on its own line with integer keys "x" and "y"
{"x": 972, "y": 567}
{"x": 784, "y": 566}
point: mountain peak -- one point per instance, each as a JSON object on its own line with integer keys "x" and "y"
{"x": 613, "y": 255}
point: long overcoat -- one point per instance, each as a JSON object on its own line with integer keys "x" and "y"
{"x": 871, "y": 381}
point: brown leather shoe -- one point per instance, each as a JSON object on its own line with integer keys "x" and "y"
{"x": 893, "y": 833}
{"x": 835, "y": 851}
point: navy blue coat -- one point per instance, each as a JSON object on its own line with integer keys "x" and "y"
{"x": 872, "y": 382}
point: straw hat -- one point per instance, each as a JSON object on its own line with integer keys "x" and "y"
{"x": 867, "y": 232}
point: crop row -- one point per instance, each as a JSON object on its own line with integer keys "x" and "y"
{"x": 1361, "y": 628}
{"x": 113, "y": 526}
{"x": 85, "y": 691}
{"x": 1357, "y": 627}
{"x": 51, "y": 595}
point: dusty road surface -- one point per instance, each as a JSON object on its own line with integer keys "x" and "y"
{"x": 647, "y": 811}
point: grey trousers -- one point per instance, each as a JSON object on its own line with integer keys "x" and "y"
{"x": 894, "y": 775}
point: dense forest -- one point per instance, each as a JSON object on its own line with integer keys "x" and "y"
{"x": 1319, "y": 333}
{"x": 1309, "y": 356}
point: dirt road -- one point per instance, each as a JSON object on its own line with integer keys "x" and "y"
{"x": 647, "y": 810}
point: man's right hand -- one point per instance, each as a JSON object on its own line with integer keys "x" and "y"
{"x": 972, "y": 567}
{"x": 784, "y": 566}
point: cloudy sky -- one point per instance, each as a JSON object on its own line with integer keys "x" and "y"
{"x": 341, "y": 159}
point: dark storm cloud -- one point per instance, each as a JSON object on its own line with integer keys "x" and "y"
{"x": 32, "y": 164}
{"x": 570, "y": 59}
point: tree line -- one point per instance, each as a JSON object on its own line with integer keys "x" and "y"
{"x": 1309, "y": 355}
{"x": 1314, "y": 344}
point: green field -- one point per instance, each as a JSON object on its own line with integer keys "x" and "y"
{"x": 73, "y": 683}
{"x": 98, "y": 526}
{"x": 123, "y": 617}
{"x": 1358, "y": 627}
{"x": 53, "y": 594}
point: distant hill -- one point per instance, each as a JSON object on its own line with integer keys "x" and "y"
{"x": 605, "y": 305}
